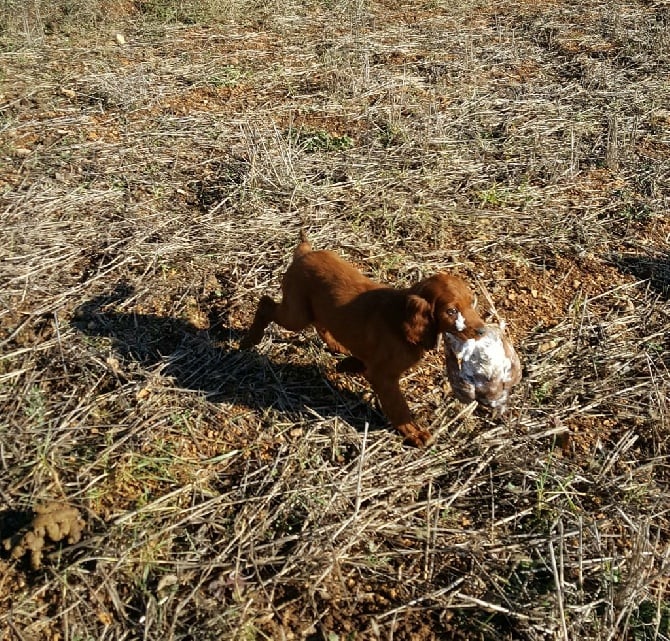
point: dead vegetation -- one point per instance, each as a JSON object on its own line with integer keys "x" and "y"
{"x": 152, "y": 187}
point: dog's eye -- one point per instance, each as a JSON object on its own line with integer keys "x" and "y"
{"x": 452, "y": 311}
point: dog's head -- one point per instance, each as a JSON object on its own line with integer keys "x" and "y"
{"x": 452, "y": 306}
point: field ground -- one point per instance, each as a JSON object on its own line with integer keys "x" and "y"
{"x": 157, "y": 160}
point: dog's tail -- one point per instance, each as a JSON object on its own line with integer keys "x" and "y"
{"x": 304, "y": 247}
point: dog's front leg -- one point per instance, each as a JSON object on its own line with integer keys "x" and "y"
{"x": 396, "y": 409}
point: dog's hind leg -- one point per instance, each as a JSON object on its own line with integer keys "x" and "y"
{"x": 293, "y": 317}
{"x": 265, "y": 314}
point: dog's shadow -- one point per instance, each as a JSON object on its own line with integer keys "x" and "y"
{"x": 654, "y": 268}
{"x": 208, "y": 361}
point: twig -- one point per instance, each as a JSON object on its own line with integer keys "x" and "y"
{"x": 558, "y": 579}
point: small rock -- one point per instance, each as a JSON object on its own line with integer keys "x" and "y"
{"x": 546, "y": 346}
{"x": 626, "y": 306}
{"x": 142, "y": 394}
{"x": 114, "y": 364}
{"x": 166, "y": 582}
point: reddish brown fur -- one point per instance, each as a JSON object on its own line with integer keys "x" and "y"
{"x": 386, "y": 331}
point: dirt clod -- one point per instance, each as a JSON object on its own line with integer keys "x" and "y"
{"x": 53, "y": 522}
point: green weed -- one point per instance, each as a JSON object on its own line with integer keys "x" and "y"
{"x": 319, "y": 140}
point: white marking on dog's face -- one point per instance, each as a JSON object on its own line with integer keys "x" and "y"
{"x": 459, "y": 323}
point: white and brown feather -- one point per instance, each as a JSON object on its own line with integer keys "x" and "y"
{"x": 483, "y": 369}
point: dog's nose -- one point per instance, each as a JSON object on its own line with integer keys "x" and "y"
{"x": 481, "y": 331}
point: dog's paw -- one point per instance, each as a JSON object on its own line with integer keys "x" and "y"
{"x": 415, "y": 436}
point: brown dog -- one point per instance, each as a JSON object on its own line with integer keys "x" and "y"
{"x": 386, "y": 331}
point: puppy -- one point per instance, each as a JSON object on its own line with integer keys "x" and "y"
{"x": 384, "y": 331}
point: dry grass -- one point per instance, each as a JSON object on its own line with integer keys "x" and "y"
{"x": 151, "y": 190}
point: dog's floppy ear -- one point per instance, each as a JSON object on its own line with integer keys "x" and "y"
{"x": 419, "y": 325}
